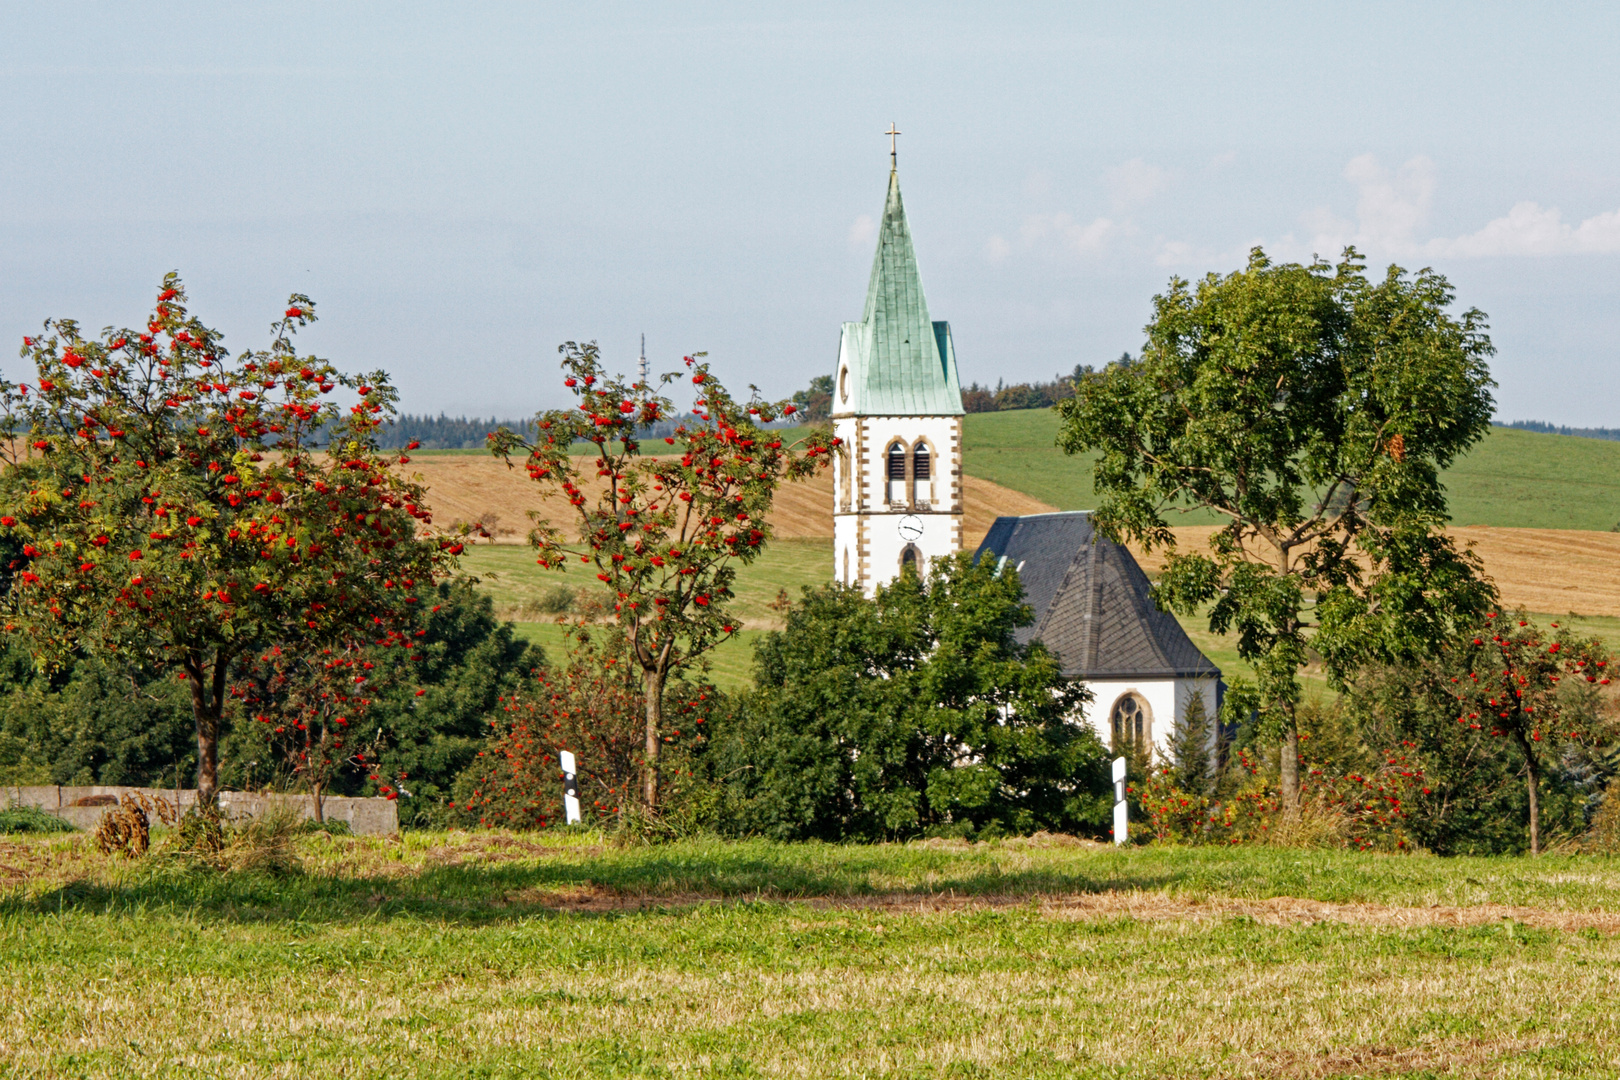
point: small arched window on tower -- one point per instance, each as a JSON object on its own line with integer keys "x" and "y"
{"x": 922, "y": 475}
{"x": 897, "y": 473}
{"x": 1132, "y": 725}
{"x": 844, "y": 461}
{"x": 909, "y": 560}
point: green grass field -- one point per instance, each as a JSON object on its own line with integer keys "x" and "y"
{"x": 509, "y": 574}
{"x": 456, "y": 955}
{"x": 1513, "y": 479}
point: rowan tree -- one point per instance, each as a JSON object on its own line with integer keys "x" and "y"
{"x": 181, "y": 509}
{"x": 1310, "y": 411}
{"x": 1518, "y": 686}
{"x": 665, "y": 532}
{"x": 590, "y": 705}
{"x": 313, "y": 704}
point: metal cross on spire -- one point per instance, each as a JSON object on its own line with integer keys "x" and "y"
{"x": 894, "y": 157}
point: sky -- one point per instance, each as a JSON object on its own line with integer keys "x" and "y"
{"x": 462, "y": 187}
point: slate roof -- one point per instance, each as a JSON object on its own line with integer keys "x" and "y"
{"x": 1093, "y": 604}
{"x": 900, "y": 362}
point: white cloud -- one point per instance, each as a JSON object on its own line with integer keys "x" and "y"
{"x": 996, "y": 249}
{"x": 1392, "y": 208}
{"x": 1221, "y": 161}
{"x": 1528, "y": 229}
{"x": 1135, "y": 183}
{"x": 1039, "y": 229}
{"x": 863, "y": 233}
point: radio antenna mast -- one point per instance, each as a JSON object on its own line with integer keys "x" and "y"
{"x": 644, "y": 361}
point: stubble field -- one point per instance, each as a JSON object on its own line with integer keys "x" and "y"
{"x": 461, "y": 955}
{"x": 1536, "y": 508}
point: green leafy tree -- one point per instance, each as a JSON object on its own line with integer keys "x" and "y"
{"x": 1190, "y": 746}
{"x": 815, "y": 404}
{"x": 1311, "y": 411}
{"x": 426, "y": 709}
{"x": 91, "y": 722}
{"x": 664, "y": 533}
{"x": 178, "y": 514}
{"x": 916, "y": 710}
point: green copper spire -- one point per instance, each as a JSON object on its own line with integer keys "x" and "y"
{"x": 896, "y": 361}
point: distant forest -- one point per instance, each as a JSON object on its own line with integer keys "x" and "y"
{"x": 461, "y": 433}
{"x": 1558, "y": 429}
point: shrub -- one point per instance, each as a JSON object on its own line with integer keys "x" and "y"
{"x": 31, "y": 819}
{"x": 915, "y": 712}
{"x": 593, "y": 706}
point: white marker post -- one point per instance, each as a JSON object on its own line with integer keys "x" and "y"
{"x": 1121, "y": 824}
{"x": 570, "y": 787}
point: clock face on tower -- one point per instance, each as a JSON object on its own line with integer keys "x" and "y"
{"x": 911, "y": 527}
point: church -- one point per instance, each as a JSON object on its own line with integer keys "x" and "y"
{"x": 897, "y": 505}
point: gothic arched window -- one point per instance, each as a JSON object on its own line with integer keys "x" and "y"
{"x": 909, "y": 560}
{"x": 896, "y": 472}
{"x": 922, "y": 474}
{"x": 1132, "y": 724}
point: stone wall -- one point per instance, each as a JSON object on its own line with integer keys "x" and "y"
{"x": 82, "y": 807}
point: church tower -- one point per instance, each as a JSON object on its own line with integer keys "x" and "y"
{"x": 897, "y": 406}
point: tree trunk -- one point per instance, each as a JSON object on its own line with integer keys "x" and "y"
{"x": 206, "y": 709}
{"x": 1288, "y": 767}
{"x": 1532, "y": 781}
{"x": 317, "y": 797}
{"x": 652, "y": 687}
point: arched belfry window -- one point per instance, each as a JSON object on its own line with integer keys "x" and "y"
{"x": 1132, "y": 724}
{"x": 897, "y": 472}
{"x": 922, "y": 474}
{"x": 910, "y": 560}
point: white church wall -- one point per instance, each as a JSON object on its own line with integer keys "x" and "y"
{"x": 1166, "y": 701}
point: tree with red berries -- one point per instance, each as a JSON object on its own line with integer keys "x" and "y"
{"x": 1523, "y": 687}
{"x": 313, "y": 704}
{"x": 182, "y": 510}
{"x": 591, "y": 705}
{"x": 666, "y": 532}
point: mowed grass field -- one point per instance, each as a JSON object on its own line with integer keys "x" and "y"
{"x": 459, "y": 955}
{"x": 1513, "y": 479}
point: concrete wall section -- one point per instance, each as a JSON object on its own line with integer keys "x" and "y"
{"x": 83, "y": 807}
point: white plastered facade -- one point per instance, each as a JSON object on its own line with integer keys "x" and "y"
{"x": 875, "y": 520}
{"x": 1166, "y": 701}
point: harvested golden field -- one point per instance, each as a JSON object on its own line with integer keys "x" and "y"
{"x": 1546, "y": 570}
{"x": 467, "y": 487}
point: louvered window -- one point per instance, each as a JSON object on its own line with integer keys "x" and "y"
{"x": 897, "y": 473}
{"x": 921, "y": 476}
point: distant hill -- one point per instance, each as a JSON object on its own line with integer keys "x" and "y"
{"x": 1559, "y": 429}
{"x": 1514, "y": 478}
